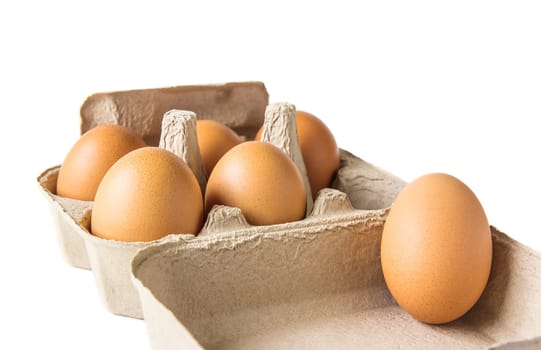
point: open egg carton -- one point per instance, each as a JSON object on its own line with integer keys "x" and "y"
{"x": 316, "y": 283}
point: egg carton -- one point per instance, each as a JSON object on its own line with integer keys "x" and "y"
{"x": 314, "y": 283}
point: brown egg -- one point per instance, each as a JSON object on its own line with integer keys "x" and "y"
{"x": 90, "y": 158}
{"x": 214, "y": 140}
{"x": 319, "y": 150}
{"x": 261, "y": 180}
{"x": 436, "y": 249}
{"x": 146, "y": 195}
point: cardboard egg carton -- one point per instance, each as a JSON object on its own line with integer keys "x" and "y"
{"x": 311, "y": 284}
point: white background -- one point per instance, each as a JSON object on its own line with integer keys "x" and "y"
{"x": 413, "y": 87}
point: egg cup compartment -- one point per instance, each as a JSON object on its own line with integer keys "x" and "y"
{"x": 109, "y": 260}
{"x": 67, "y": 215}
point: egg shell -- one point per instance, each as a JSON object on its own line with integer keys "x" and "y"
{"x": 436, "y": 249}
{"x": 214, "y": 139}
{"x": 261, "y": 180}
{"x": 319, "y": 150}
{"x": 147, "y": 194}
{"x": 90, "y": 158}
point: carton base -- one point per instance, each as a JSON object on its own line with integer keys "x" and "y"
{"x": 320, "y": 290}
